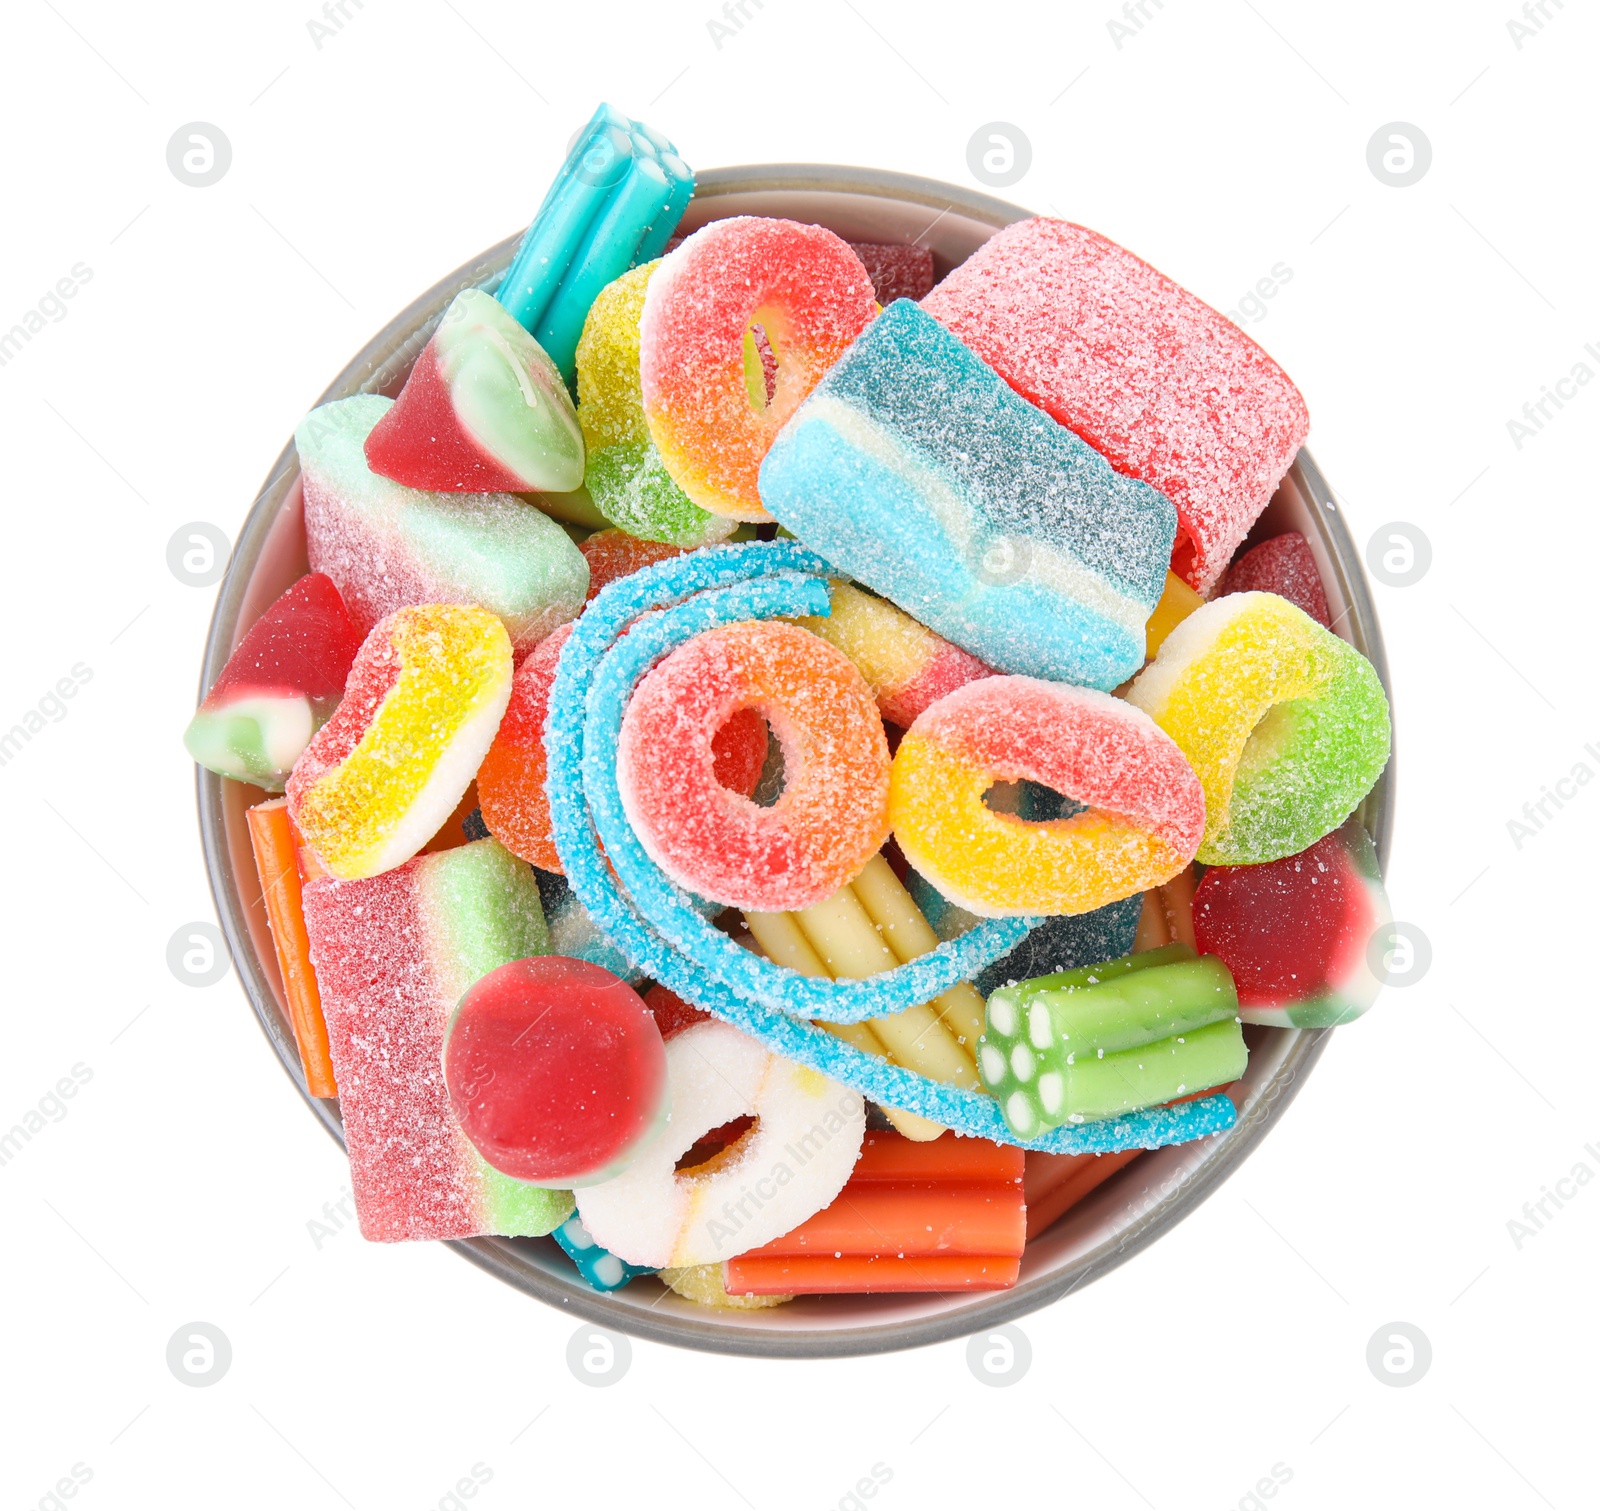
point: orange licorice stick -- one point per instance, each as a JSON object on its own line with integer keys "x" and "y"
{"x": 823, "y": 1274}
{"x": 1153, "y": 930}
{"x": 1056, "y": 1182}
{"x": 911, "y": 1220}
{"x": 272, "y": 838}
{"x": 1177, "y": 899}
{"x": 888, "y": 1157}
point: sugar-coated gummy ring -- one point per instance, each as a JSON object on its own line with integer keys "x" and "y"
{"x": 419, "y": 713}
{"x": 832, "y": 816}
{"x": 1143, "y": 810}
{"x": 969, "y": 1113}
{"x": 754, "y": 1191}
{"x": 802, "y": 285}
{"x": 664, "y": 905}
{"x": 1285, "y": 724}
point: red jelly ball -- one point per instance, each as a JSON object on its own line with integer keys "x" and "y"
{"x": 556, "y": 1071}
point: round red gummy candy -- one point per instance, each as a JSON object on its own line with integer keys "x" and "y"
{"x": 556, "y": 1071}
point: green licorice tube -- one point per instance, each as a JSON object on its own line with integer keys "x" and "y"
{"x": 605, "y": 253}
{"x": 1134, "y": 1008}
{"x": 1104, "y": 1086}
{"x": 661, "y": 229}
{"x": 586, "y": 181}
{"x": 1093, "y": 975}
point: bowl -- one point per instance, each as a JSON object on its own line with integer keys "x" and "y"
{"x": 1130, "y": 1210}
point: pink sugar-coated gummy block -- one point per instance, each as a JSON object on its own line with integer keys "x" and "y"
{"x": 1160, "y": 384}
{"x": 394, "y": 954}
{"x": 1283, "y": 565}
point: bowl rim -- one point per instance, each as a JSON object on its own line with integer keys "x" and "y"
{"x": 498, "y": 1256}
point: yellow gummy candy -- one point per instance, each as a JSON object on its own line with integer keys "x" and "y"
{"x": 610, "y": 403}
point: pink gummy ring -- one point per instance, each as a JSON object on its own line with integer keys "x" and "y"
{"x": 832, "y": 815}
{"x": 803, "y": 287}
{"x": 556, "y": 1071}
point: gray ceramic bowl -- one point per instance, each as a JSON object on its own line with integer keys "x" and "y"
{"x": 1133, "y": 1208}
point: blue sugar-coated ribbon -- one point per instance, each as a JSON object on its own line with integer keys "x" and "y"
{"x": 737, "y": 571}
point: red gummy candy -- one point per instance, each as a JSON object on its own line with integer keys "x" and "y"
{"x": 304, "y": 643}
{"x": 556, "y": 1070}
{"x": 1294, "y": 932}
{"x": 1283, "y": 565}
{"x": 671, "y": 1012}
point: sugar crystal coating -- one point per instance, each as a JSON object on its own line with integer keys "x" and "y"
{"x": 1286, "y": 725}
{"x": 1283, "y": 565}
{"x": 420, "y": 710}
{"x": 393, "y": 956}
{"x": 832, "y": 815}
{"x": 1158, "y": 382}
{"x": 917, "y": 470}
{"x": 386, "y": 546}
{"x": 807, "y": 291}
{"x": 1142, "y": 816}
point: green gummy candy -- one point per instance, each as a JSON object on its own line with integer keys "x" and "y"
{"x": 631, "y": 486}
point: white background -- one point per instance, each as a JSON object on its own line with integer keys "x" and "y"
{"x": 1219, "y": 140}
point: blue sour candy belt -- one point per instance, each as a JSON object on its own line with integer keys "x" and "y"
{"x": 658, "y": 930}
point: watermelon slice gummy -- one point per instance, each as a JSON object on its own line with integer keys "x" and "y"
{"x": 484, "y": 411}
{"x": 279, "y": 687}
{"x": 1294, "y": 932}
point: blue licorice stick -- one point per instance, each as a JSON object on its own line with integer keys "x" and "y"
{"x": 967, "y": 1112}
{"x": 604, "y": 254}
{"x": 791, "y": 578}
{"x": 661, "y": 229}
{"x": 592, "y": 170}
{"x": 599, "y": 1267}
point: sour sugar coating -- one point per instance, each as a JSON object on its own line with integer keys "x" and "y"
{"x": 511, "y": 780}
{"x": 1283, "y": 565}
{"x": 556, "y": 1071}
{"x": 626, "y": 477}
{"x": 1159, "y": 383}
{"x": 1294, "y": 932}
{"x": 614, "y": 553}
{"x": 791, "y": 1163}
{"x": 483, "y": 411}
{"x": 832, "y": 815}
{"x": 1142, "y": 816}
{"x": 807, "y": 291}
{"x": 906, "y": 665}
{"x": 420, "y": 710}
{"x": 915, "y": 469}
{"x": 1094, "y": 1043}
{"x": 1285, "y": 724}
{"x": 600, "y": 1268}
{"x": 278, "y": 688}
{"x": 394, "y": 954}
{"x": 386, "y": 546}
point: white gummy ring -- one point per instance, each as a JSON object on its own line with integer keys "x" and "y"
{"x": 791, "y": 1164}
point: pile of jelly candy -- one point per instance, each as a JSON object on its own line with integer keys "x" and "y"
{"x": 793, "y": 773}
